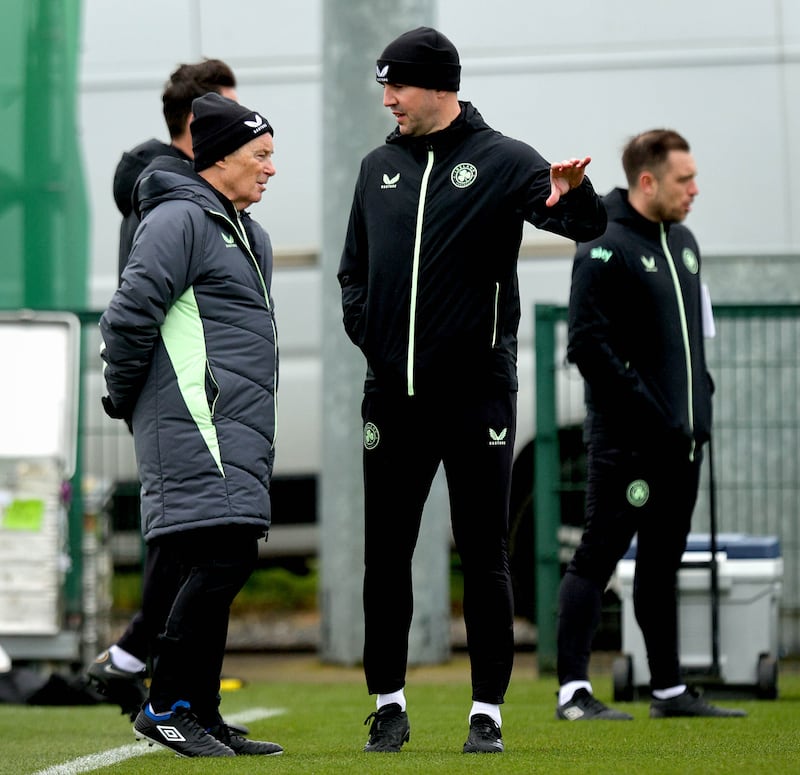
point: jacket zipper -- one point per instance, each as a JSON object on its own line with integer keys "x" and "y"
{"x": 496, "y": 315}
{"x": 412, "y": 319}
{"x": 238, "y": 229}
{"x": 684, "y": 331}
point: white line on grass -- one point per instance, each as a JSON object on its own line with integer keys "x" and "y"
{"x": 115, "y": 755}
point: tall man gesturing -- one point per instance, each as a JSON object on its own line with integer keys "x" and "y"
{"x": 430, "y": 296}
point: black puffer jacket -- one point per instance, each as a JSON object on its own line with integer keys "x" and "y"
{"x": 428, "y": 272}
{"x": 191, "y": 356}
{"x": 636, "y": 331}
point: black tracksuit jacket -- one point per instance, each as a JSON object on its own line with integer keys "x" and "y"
{"x": 428, "y": 271}
{"x": 636, "y": 332}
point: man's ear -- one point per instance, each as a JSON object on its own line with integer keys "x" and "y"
{"x": 647, "y": 182}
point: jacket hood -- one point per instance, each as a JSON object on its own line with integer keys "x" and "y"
{"x": 168, "y": 178}
{"x": 131, "y": 165}
{"x": 469, "y": 120}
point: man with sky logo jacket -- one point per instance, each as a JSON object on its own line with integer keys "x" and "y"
{"x": 190, "y": 352}
{"x": 430, "y": 296}
{"x": 636, "y": 315}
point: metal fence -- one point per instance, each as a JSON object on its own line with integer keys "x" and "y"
{"x": 754, "y": 360}
{"x": 106, "y": 445}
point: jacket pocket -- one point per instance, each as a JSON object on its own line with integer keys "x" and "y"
{"x": 212, "y": 389}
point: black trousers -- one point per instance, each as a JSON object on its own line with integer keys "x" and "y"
{"x": 406, "y": 438}
{"x": 214, "y": 565}
{"x": 652, "y": 496}
{"x": 161, "y": 579}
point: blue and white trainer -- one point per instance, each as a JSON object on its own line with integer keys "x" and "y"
{"x": 179, "y": 731}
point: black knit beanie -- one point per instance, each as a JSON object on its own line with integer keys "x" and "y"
{"x": 220, "y": 126}
{"x": 421, "y": 57}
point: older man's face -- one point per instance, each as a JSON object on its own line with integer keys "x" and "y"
{"x": 247, "y": 170}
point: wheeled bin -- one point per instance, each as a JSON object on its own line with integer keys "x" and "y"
{"x": 727, "y": 619}
{"x": 39, "y": 395}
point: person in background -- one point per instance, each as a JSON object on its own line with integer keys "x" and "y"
{"x": 636, "y": 335}
{"x": 190, "y": 351}
{"x": 188, "y": 82}
{"x": 430, "y": 296}
{"x": 119, "y": 672}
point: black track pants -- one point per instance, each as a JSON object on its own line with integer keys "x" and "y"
{"x": 405, "y": 441}
{"x": 161, "y": 579}
{"x": 652, "y": 496}
{"x": 215, "y": 564}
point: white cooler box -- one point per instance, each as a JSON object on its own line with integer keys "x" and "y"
{"x": 749, "y": 573}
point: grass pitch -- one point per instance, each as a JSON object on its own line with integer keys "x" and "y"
{"x": 319, "y": 712}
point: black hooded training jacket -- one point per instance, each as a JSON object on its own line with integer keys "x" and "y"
{"x": 130, "y": 166}
{"x": 428, "y": 271}
{"x": 636, "y": 332}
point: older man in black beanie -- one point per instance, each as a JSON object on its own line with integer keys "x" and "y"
{"x": 190, "y": 357}
{"x": 430, "y": 296}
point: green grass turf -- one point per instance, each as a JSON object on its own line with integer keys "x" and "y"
{"x": 323, "y": 734}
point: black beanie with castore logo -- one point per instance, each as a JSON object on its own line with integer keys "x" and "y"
{"x": 220, "y": 126}
{"x": 421, "y": 57}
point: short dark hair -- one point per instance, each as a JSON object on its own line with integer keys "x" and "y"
{"x": 649, "y": 150}
{"x": 189, "y": 82}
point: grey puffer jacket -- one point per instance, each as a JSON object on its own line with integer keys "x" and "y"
{"x": 190, "y": 348}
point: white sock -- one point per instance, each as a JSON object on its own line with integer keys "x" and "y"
{"x": 125, "y": 661}
{"x": 397, "y": 697}
{"x": 492, "y": 711}
{"x": 668, "y": 694}
{"x": 567, "y": 691}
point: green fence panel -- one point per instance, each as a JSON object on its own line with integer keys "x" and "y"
{"x": 43, "y": 205}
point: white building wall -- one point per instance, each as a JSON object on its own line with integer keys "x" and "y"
{"x": 570, "y": 78}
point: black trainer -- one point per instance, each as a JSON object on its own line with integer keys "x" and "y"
{"x": 122, "y": 687}
{"x": 484, "y": 735}
{"x": 690, "y": 703}
{"x": 584, "y": 706}
{"x": 226, "y": 734}
{"x": 179, "y": 731}
{"x": 389, "y": 730}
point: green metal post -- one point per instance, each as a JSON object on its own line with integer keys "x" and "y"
{"x": 55, "y": 231}
{"x": 546, "y": 488}
{"x": 55, "y": 220}
{"x": 73, "y": 583}
{"x": 40, "y": 183}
